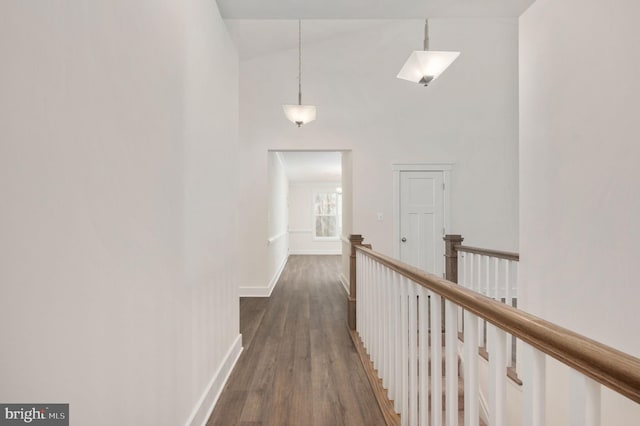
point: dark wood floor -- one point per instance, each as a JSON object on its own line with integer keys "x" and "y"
{"x": 299, "y": 366}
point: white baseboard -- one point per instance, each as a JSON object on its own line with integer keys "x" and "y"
{"x": 316, "y": 252}
{"x": 264, "y": 291}
{"x": 206, "y": 403}
{"x": 345, "y": 284}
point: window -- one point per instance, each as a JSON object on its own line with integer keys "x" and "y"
{"x": 327, "y": 215}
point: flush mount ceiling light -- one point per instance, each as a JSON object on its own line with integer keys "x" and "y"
{"x": 424, "y": 66}
{"x": 300, "y": 114}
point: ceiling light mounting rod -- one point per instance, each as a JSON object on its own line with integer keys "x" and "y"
{"x": 426, "y": 35}
{"x": 299, "y": 62}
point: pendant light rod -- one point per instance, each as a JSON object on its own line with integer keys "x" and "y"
{"x": 299, "y": 62}
{"x": 426, "y": 35}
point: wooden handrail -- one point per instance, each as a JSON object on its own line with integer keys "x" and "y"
{"x": 612, "y": 368}
{"x": 486, "y": 252}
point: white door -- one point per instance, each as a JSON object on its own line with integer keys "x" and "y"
{"x": 422, "y": 220}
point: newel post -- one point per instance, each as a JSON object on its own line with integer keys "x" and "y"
{"x": 355, "y": 240}
{"x": 451, "y": 256}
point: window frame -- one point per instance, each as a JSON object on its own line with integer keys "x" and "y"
{"x": 337, "y": 215}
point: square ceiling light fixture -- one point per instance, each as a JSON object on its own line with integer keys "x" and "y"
{"x": 424, "y": 66}
{"x": 300, "y": 114}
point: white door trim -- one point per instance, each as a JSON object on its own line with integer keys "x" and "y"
{"x": 445, "y": 168}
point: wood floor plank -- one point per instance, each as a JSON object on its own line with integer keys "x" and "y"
{"x": 299, "y": 366}
{"x": 251, "y": 314}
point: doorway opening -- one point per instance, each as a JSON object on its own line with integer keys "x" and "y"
{"x": 309, "y": 205}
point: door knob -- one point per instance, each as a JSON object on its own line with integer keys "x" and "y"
{"x": 404, "y": 240}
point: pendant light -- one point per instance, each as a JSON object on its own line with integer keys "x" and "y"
{"x": 300, "y": 114}
{"x": 424, "y": 66}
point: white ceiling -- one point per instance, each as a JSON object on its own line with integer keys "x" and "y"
{"x": 261, "y": 37}
{"x": 261, "y": 27}
{"x": 371, "y": 9}
{"x": 312, "y": 166}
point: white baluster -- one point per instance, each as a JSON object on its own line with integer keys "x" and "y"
{"x": 423, "y": 359}
{"x": 496, "y": 292}
{"x": 592, "y": 402}
{"x": 496, "y": 279}
{"x": 372, "y": 307}
{"x": 507, "y": 300}
{"x": 469, "y": 282}
{"x": 507, "y": 282}
{"x": 387, "y": 325}
{"x": 514, "y": 295}
{"x": 584, "y": 400}
{"x": 376, "y": 315}
{"x": 533, "y": 391}
{"x": 480, "y": 287}
{"x": 477, "y": 268}
{"x": 392, "y": 335}
{"x": 359, "y": 299}
{"x": 436, "y": 359}
{"x": 462, "y": 276}
{"x": 413, "y": 359}
{"x": 398, "y": 342}
{"x": 383, "y": 302}
{"x": 372, "y": 317}
{"x": 379, "y": 328}
{"x": 365, "y": 300}
{"x": 365, "y": 305}
{"x": 404, "y": 310}
{"x": 451, "y": 348}
{"x": 462, "y": 267}
{"x": 382, "y": 366}
{"x": 502, "y": 291}
{"x": 471, "y": 409}
{"x": 362, "y": 297}
{"x": 487, "y": 281}
{"x": 514, "y": 280}
{"x": 370, "y": 302}
{"x": 497, "y": 376}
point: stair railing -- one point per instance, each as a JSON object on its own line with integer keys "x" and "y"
{"x": 492, "y": 273}
{"x": 396, "y": 306}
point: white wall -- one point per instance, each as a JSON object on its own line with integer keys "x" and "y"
{"x": 469, "y": 116}
{"x": 118, "y": 123}
{"x": 301, "y": 219}
{"x": 579, "y": 185}
{"x": 277, "y": 223}
{"x": 347, "y": 218}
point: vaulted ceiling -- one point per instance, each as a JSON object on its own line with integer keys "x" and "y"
{"x": 370, "y": 9}
{"x": 260, "y": 27}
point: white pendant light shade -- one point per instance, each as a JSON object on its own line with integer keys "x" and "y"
{"x": 300, "y": 114}
{"x": 424, "y": 66}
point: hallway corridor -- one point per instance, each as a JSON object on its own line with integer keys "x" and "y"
{"x": 299, "y": 366}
